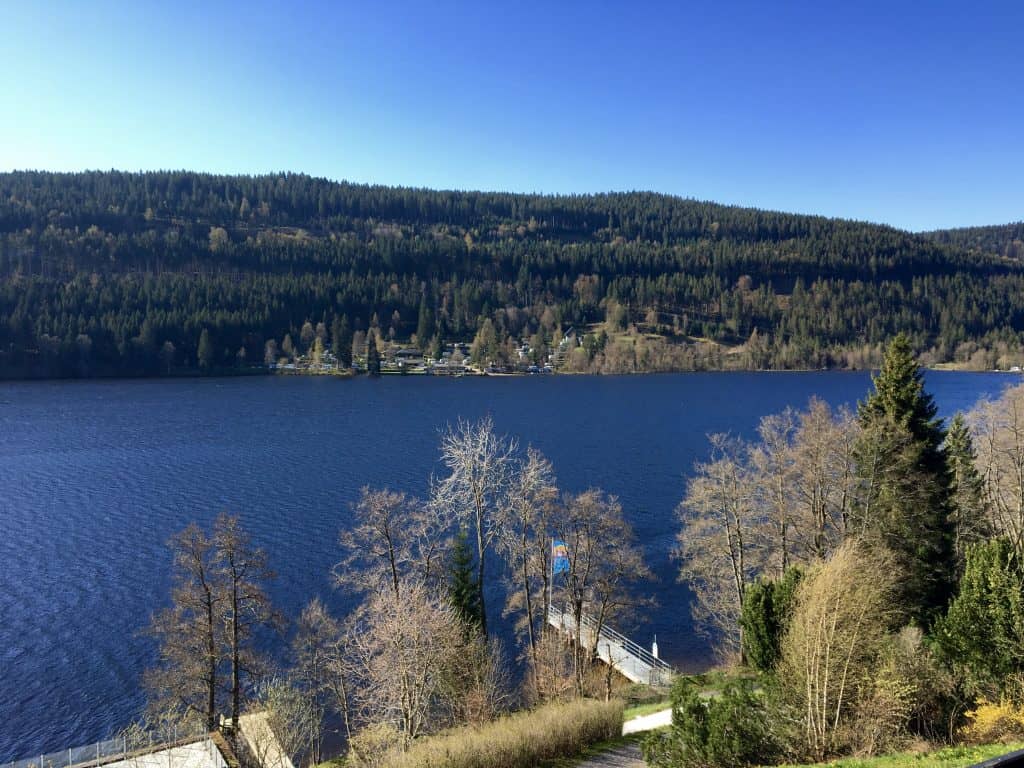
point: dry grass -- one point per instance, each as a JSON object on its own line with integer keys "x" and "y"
{"x": 520, "y": 740}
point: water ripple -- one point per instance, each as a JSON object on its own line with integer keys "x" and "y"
{"x": 94, "y": 478}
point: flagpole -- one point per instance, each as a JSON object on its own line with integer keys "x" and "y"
{"x": 551, "y": 578}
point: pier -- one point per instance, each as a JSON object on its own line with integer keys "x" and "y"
{"x": 631, "y": 660}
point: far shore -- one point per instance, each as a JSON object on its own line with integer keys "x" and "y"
{"x": 348, "y": 375}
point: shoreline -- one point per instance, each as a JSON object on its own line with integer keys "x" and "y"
{"x": 346, "y": 376}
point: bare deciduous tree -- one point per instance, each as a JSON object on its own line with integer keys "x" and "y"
{"x": 395, "y": 538}
{"x": 246, "y": 605}
{"x": 756, "y": 508}
{"x": 403, "y": 650}
{"x": 523, "y": 528}
{"x": 278, "y": 731}
{"x": 719, "y": 544}
{"x": 823, "y": 479}
{"x": 552, "y": 676}
{"x": 315, "y": 647}
{"x": 998, "y": 428}
{"x": 217, "y": 604}
{"x": 773, "y": 462}
{"x": 186, "y": 678}
{"x": 481, "y": 466}
{"x": 604, "y": 561}
{"x": 159, "y": 727}
{"x": 480, "y": 684}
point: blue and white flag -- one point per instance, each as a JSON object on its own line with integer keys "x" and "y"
{"x": 559, "y": 557}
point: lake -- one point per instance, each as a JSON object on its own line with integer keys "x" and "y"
{"x": 95, "y": 476}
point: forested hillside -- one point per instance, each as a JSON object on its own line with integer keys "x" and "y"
{"x": 109, "y": 273}
{"x": 1003, "y": 240}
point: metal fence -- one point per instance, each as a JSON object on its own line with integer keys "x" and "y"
{"x": 632, "y": 660}
{"x": 132, "y": 743}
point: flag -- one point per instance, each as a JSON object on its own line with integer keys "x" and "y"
{"x": 559, "y": 557}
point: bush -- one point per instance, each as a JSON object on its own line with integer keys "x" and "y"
{"x": 518, "y": 741}
{"x": 833, "y": 650}
{"x": 373, "y": 744}
{"x": 989, "y": 723}
{"x": 764, "y": 618}
{"x": 982, "y": 634}
{"x": 732, "y": 730}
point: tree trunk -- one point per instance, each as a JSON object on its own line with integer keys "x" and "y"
{"x": 235, "y": 672}
{"x": 211, "y": 660}
{"x": 480, "y": 569}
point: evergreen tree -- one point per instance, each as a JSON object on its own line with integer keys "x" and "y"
{"x": 425, "y": 325}
{"x": 732, "y": 729}
{"x": 462, "y": 587}
{"x": 901, "y": 463}
{"x": 899, "y": 396}
{"x": 970, "y": 523}
{"x": 485, "y": 344}
{"x": 205, "y": 352}
{"x": 341, "y": 340}
{"x": 982, "y": 635}
{"x": 765, "y": 617}
{"x": 372, "y": 356}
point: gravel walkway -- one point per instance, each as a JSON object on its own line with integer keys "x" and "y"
{"x": 625, "y": 756}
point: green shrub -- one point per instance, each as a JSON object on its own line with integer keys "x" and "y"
{"x": 521, "y": 740}
{"x": 764, "y": 618}
{"x": 731, "y": 730}
{"x": 982, "y": 634}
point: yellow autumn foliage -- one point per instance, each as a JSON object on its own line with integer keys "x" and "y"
{"x": 993, "y": 722}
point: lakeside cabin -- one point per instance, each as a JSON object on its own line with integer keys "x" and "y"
{"x": 409, "y": 355}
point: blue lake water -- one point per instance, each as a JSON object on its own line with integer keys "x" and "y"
{"x": 95, "y": 476}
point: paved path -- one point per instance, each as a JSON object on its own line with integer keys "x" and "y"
{"x": 648, "y": 722}
{"x": 624, "y": 756}
{"x": 629, "y": 755}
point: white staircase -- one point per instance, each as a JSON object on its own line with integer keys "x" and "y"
{"x": 634, "y": 662}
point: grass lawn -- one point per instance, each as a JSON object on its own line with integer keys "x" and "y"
{"x": 647, "y": 708}
{"x": 950, "y": 757}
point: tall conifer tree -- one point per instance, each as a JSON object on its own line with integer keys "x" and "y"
{"x": 462, "y": 585}
{"x": 970, "y": 523}
{"x": 905, "y": 503}
{"x": 372, "y": 355}
{"x": 341, "y": 340}
{"x": 205, "y": 351}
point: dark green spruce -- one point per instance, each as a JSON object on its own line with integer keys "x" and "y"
{"x": 372, "y": 356}
{"x": 970, "y": 521}
{"x": 765, "y": 616}
{"x": 906, "y": 504}
{"x": 982, "y": 635}
{"x": 462, "y": 581}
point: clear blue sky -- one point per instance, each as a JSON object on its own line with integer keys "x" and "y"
{"x": 910, "y": 114}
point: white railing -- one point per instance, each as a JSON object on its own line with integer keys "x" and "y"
{"x": 114, "y": 750}
{"x": 634, "y": 661}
